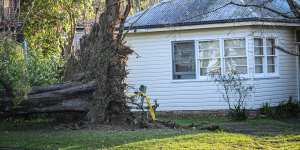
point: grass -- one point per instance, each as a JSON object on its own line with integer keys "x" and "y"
{"x": 250, "y": 134}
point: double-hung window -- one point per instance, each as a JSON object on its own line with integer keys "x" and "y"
{"x": 184, "y": 60}
{"x": 213, "y": 57}
{"x": 265, "y": 56}
{"x": 210, "y": 58}
{"x": 235, "y": 55}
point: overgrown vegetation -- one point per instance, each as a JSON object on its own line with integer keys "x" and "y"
{"x": 20, "y": 69}
{"x": 44, "y": 70}
{"x": 285, "y": 109}
{"x": 13, "y": 70}
{"x": 235, "y": 92}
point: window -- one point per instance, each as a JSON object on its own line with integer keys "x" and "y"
{"x": 184, "y": 60}
{"x": 210, "y": 60}
{"x": 298, "y": 39}
{"x": 235, "y": 55}
{"x": 259, "y": 55}
{"x": 271, "y": 57}
{"x": 265, "y": 55}
{"x": 213, "y": 57}
{"x": 298, "y": 36}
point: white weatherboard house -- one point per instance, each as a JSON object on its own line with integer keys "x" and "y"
{"x": 179, "y": 41}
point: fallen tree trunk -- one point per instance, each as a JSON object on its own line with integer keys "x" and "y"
{"x": 66, "y": 97}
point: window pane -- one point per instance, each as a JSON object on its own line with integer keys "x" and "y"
{"x": 203, "y": 71}
{"x": 184, "y": 60}
{"x": 209, "y": 53}
{"x": 258, "y": 42}
{"x": 298, "y": 36}
{"x": 235, "y": 52}
{"x": 258, "y": 69}
{"x": 209, "y": 45}
{"x": 239, "y": 69}
{"x": 270, "y": 51}
{"x": 271, "y": 60}
{"x": 258, "y": 51}
{"x": 236, "y": 61}
{"x": 209, "y": 57}
{"x": 270, "y": 42}
{"x": 210, "y": 65}
{"x": 271, "y": 68}
{"x": 259, "y": 60}
{"x": 237, "y": 64}
{"x": 235, "y": 43}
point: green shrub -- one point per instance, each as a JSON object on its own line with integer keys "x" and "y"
{"x": 13, "y": 70}
{"x": 44, "y": 70}
{"x": 266, "y": 110}
{"x": 19, "y": 70}
{"x": 238, "y": 114}
{"x": 285, "y": 109}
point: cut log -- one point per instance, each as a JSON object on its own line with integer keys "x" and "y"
{"x": 66, "y": 97}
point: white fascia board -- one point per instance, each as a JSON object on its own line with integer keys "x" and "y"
{"x": 218, "y": 25}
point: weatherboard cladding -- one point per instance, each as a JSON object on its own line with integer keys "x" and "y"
{"x": 196, "y": 12}
{"x": 153, "y": 68}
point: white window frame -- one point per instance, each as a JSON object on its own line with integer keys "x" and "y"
{"x": 265, "y": 73}
{"x": 246, "y": 50}
{"x": 199, "y": 77}
{"x": 222, "y": 57}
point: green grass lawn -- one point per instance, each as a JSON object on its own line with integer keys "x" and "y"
{"x": 251, "y": 134}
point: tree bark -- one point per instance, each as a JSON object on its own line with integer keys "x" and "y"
{"x": 67, "y": 97}
{"x": 104, "y": 55}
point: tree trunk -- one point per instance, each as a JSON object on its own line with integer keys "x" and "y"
{"x": 104, "y": 55}
{"x": 67, "y": 97}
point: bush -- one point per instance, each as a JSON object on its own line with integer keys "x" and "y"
{"x": 44, "y": 70}
{"x": 238, "y": 114}
{"x": 13, "y": 70}
{"x": 19, "y": 70}
{"x": 285, "y": 109}
{"x": 266, "y": 110}
{"x": 235, "y": 93}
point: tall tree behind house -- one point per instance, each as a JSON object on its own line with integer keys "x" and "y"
{"x": 9, "y": 12}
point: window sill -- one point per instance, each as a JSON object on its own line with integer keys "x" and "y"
{"x": 192, "y": 80}
{"x": 270, "y": 76}
{"x": 256, "y": 77}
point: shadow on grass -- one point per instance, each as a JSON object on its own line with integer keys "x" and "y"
{"x": 39, "y": 137}
{"x": 258, "y": 133}
{"x": 254, "y": 126}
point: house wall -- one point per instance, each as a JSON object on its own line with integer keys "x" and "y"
{"x": 152, "y": 66}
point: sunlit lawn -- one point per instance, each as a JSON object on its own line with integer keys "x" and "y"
{"x": 251, "y": 134}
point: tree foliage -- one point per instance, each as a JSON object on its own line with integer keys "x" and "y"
{"x": 13, "y": 74}
{"x": 49, "y": 26}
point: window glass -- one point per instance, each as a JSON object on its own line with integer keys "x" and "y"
{"x": 235, "y": 55}
{"x": 184, "y": 60}
{"x": 271, "y": 58}
{"x": 258, "y": 53}
{"x": 265, "y": 55}
{"x": 210, "y": 61}
{"x": 298, "y": 36}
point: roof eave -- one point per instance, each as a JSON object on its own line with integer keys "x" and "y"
{"x": 207, "y": 25}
